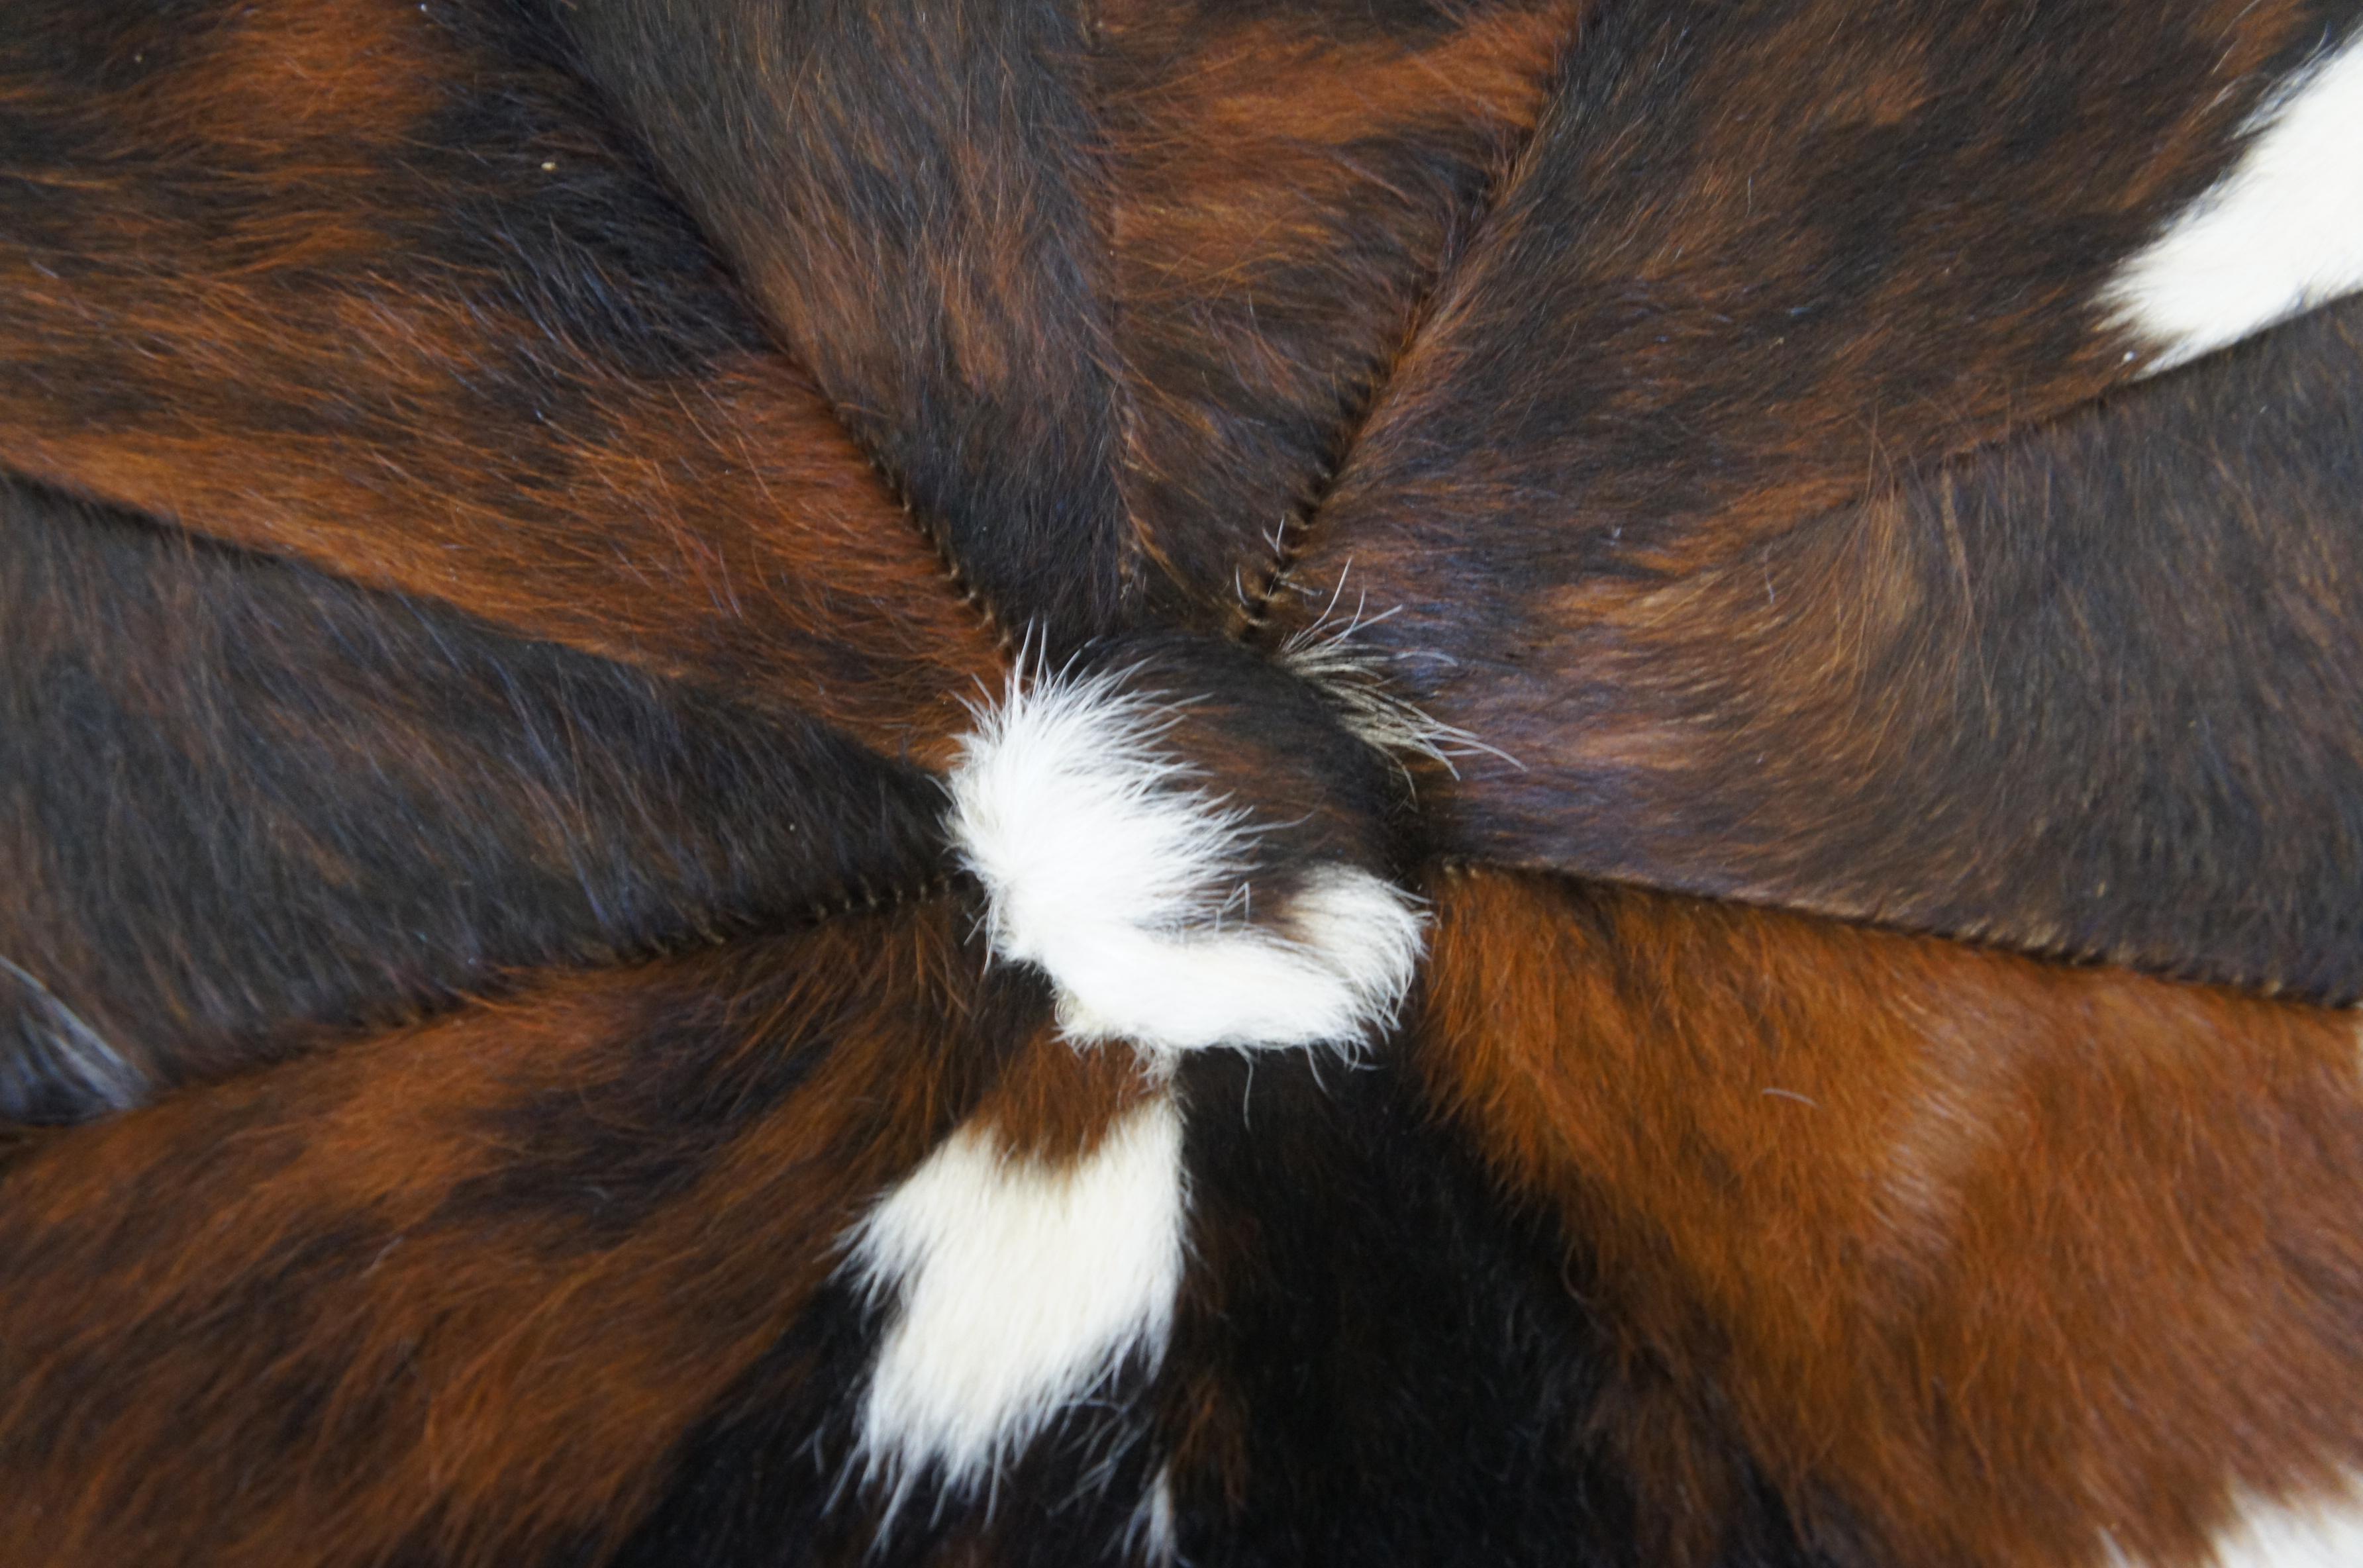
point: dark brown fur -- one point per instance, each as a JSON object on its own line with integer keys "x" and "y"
{"x": 1719, "y": 494}
{"x": 2090, "y": 691}
{"x": 244, "y": 808}
{"x": 1288, "y": 182}
{"x": 369, "y": 285}
{"x": 1102, "y": 296}
{"x": 1756, "y": 248}
{"x": 911, "y": 193}
{"x": 458, "y": 1292}
{"x": 1983, "y": 1257}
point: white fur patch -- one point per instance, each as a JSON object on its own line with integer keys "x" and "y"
{"x": 1105, "y": 869}
{"x": 2325, "y": 1531}
{"x": 2280, "y": 233}
{"x": 1022, "y": 1286}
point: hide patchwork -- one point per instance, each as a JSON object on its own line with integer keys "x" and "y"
{"x": 1024, "y": 784}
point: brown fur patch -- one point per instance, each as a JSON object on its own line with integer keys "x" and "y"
{"x": 1286, "y": 184}
{"x": 364, "y": 284}
{"x": 1736, "y": 493}
{"x": 1984, "y": 1258}
{"x": 460, "y": 1290}
{"x": 932, "y": 249}
{"x": 1054, "y": 1101}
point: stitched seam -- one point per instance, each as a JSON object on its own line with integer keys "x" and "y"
{"x": 1296, "y": 532}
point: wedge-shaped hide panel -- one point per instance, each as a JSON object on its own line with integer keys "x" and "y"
{"x": 371, "y": 285}
{"x": 243, "y": 806}
{"x": 1381, "y": 1360}
{"x": 1713, "y": 498}
{"x": 1287, "y": 182}
{"x": 912, "y": 194}
{"x": 458, "y": 1294}
{"x": 1756, "y": 250}
{"x": 2097, "y": 691}
{"x": 1990, "y": 1262}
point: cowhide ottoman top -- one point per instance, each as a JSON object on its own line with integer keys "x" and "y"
{"x": 1185, "y": 783}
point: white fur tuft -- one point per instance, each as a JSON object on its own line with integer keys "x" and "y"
{"x": 1107, "y": 870}
{"x": 2280, "y": 233}
{"x": 2324, "y": 1532}
{"x": 1023, "y": 1285}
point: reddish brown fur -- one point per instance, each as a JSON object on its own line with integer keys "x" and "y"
{"x": 249, "y": 302}
{"x": 1054, "y": 1101}
{"x": 459, "y": 1289}
{"x": 1983, "y": 1257}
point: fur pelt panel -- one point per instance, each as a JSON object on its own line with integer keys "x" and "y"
{"x": 376, "y": 287}
{"x": 2090, "y": 691}
{"x": 1809, "y": 263}
{"x": 760, "y": 759}
{"x": 933, "y": 252}
{"x": 1669, "y": 1233}
{"x": 247, "y": 809}
{"x": 1981, "y": 1257}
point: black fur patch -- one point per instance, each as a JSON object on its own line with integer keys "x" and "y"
{"x": 1404, "y": 1366}
{"x": 242, "y": 804}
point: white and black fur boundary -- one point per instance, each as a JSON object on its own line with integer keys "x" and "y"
{"x": 2280, "y": 233}
{"x": 1017, "y": 1286}
{"x": 1170, "y": 916}
{"x": 1109, "y": 861}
